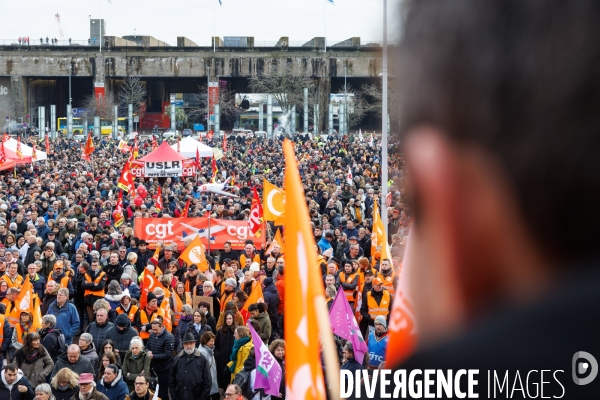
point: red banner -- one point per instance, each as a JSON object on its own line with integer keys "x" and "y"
{"x": 173, "y": 230}
{"x": 213, "y": 98}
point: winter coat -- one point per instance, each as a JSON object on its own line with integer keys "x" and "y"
{"x": 161, "y": 347}
{"x": 58, "y": 278}
{"x": 134, "y": 290}
{"x": 265, "y": 325}
{"x": 67, "y": 319}
{"x": 115, "y": 390}
{"x": 39, "y": 285}
{"x": 91, "y": 354}
{"x": 241, "y": 357}
{"x": 190, "y": 377}
{"x": 50, "y": 341}
{"x": 12, "y": 392}
{"x": 181, "y": 329}
{"x": 96, "y": 395}
{"x": 113, "y": 272}
{"x": 47, "y": 262}
{"x": 271, "y": 298}
{"x": 65, "y": 394}
{"x": 149, "y": 396}
{"x": 121, "y": 338}
{"x": 80, "y": 366}
{"x": 208, "y": 353}
{"x": 132, "y": 367}
{"x": 223, "y": 347}
{"x": 197, "y": 334}
{"x": 37, "y": 371}
{"x": 99, "y": 332}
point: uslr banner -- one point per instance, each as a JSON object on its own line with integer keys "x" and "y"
{"x": 163, "y": 169}
{"x": 173, "y": 230}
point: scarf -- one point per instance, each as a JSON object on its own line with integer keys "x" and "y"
{"x": 26, "y": 329}
{"x": 86, "y": 396}
{"x": 236, "y": 346}
{"x": 33, "y": 357}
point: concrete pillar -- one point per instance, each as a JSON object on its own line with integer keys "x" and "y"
{"x": 53, "y": 121}
{"x": 69, "y": 122}
{"x": 293, "y": 120}
{"x": 270, "y": 115}
{"x": 85, "y": 127}
{"x": 130, "y": 117}
{"x": 316, "y": 121}
{"x": 173, "y": 121}
{"x": 305, "y": 110}
{"x": 330, "y": 124}
{"x": 42, "y": 121}
{"x": 97, "y": 131}
{"x": 217, "y": 119}
{"x": 341, "y": 119}
{"x": 260, "y": 117}
{"x": 116, "y": 122}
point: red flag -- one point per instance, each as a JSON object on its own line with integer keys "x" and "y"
{"x": 5, "y": 137}
{"x": 47, "y": 144}
{"x": 224, "y": 143}
{"x": 89, "y": 145}
{"x": 2, "y": 154}
{"x": 34, "y": 153}
{"x": 136, "y": 148}
{"x": 197, "y": 163}
{"x": 256, "y": 215}
{"x": 178, "y": 148}
{"x": 215, "y": 169}
{"x": 19, "y": 152}
{"x": 158, "y": 204}
{"x": 126, "y": 180}
{"x": 149, "y": 283}
{"x": 154, "y": 144}
{"x": 118, "y": 212}
{"x": 186, "y": 209}
{"x": 210, "y": 135}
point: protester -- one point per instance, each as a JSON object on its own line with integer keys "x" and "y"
{"x": 14, "y": 385}
{"x": 87, "y": 388}
{"x": 112, "y": 385}
{"x": 190, "y": 375}
{"x": 160, "y": 348}
{"x": 73, "y": 360}
{"x": 34, "y": 360}
{"x": 64, "y": 384}
{"x": 135, "y": 362}
{"x": 65, "y": 313}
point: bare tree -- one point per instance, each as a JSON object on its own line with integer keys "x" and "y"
{"x": 227, "y": 106}
{"x": 372, "y": 95}
{"x": 103, "y": 107}
{"x": 287, "y": 89}
{"x": 356, "y": 110}
{"x": 133, "y": 91}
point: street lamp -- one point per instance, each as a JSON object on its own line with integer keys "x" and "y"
{"x": 384, "y": 126}
{"x": 345, "y": 102}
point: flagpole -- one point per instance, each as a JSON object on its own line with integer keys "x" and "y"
{"x": 384, "y": 128}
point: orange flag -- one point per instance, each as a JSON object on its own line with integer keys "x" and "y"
{"x": 26, "y": 301}
{"x": 165, "y": 306}
{"x": 89, "y": 145}
{"x": 402, "y": 326}
{"x": 306, "y": 309}
{"x": 255, "y": 297}
{"x": 194, "y": 253}
{"x": 277, "y": 240}
{"x": 149, "y": 283}
{"x": 255, "y": 221}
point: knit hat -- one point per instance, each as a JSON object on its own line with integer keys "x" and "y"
{"x": 122, "y": 321}
{"x": 151, "y": 296}
{"x": 379, "y": 320}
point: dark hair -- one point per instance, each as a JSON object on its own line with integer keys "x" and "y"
{"x": 206, "y": 337}
{"x": 225, "y": 327}
{"x": 28, "y": 348}
{"x": 516, "y": 78}
{"x": 143, "y": 375}
{"x": 11, "y": 367}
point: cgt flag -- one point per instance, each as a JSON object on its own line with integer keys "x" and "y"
{"x": 255, "y": 221}
{"x": 126, "y": 179}
{"x": 349, "y": 177}
{"x": 149, "y": 283}
{"x": 118, "y": 212}
{"x": 195, "y": 254}
{"x": 215, "y": 169}
{"x": 268, "y": 371}
{"x": 304, "y": 298}
{"x": 378, "y": 238}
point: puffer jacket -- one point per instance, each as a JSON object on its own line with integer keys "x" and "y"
{"x": 80, "y": 366}
{"x": 208, "y": 354}
{"x": 161, "y": 347}
{"x": 98, "y": 332}
{"x": 115, "y": 390}
{"x": 121, "y": 338}
{"x": 132, "y": 367}
{"x": 271, "y": 298}
{"x": 91, "y": 354}
{"x": 35, "y": 371}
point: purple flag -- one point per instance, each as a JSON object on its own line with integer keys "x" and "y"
{"x": 268, "y": 371}
{"x": 344, "y": 325}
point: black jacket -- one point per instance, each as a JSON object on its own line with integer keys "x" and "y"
{"x": 81, "y": 365}
{"x": 190, "y": 377}
{"x": 50, "y": 342}
{"x": 113, "y": 272}
{"x": 121, "y": 338}
{"x": 271, "y": 298}
{"x": 99, "y": 332}
{"x": 192, "y": 329}
{"x": 161, "y": 347}
{"x": 14, "y": 393}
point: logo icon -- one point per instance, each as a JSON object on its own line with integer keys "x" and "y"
{"x": 584, "y": 363}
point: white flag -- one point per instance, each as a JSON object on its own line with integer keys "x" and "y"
{"x": 349, "y": 177}
{"x": 360, "y": 136}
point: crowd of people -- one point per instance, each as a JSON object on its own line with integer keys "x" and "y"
{"x": 98, "y": 341}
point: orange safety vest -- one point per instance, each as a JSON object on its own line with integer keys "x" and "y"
{"x": 88, "y": 279}
{"x": 18, "y": 281}
{"x": 64, "y": 281}
{"x": 361, "y": 276}
{"x": 224, "y": 299}
{"x": 255, "y": 258}
{"x": 19, "y": 333}
{"x": 12, "y": 320}
{"x": 350, "y": 294}
{"x": 131, "y": 314}
{"x": 254, "y": 283}
{"x": 388, "y": 282}
{"x": 2, "y": 325}
{"x": 144, "y": 321}
{"x": 187, "y": 300}
{"x": 382, "y": 308}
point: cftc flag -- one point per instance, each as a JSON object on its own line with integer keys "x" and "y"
{"x": 268, "y": 371}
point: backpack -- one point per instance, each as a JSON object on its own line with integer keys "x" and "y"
{"x": 61, "y": 346}
{"x": 242, "y": 379}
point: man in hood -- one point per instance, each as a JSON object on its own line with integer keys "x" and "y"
{"x": 73, "y": 360}
{"x": 112, "y": 384}
{"x": 121, "y": 334}
{"x": 14, "y": 385}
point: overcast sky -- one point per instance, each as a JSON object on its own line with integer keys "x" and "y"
{"x": 266, "y": 20}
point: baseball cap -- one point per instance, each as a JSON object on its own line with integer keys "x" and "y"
{"x": 377, "y": 281}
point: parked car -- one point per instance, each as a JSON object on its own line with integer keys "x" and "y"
{"x": 187, "y": 132}
{"x": 170, "y": 134}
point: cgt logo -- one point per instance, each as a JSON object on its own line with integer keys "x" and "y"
{"x": 584, "y": 364}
